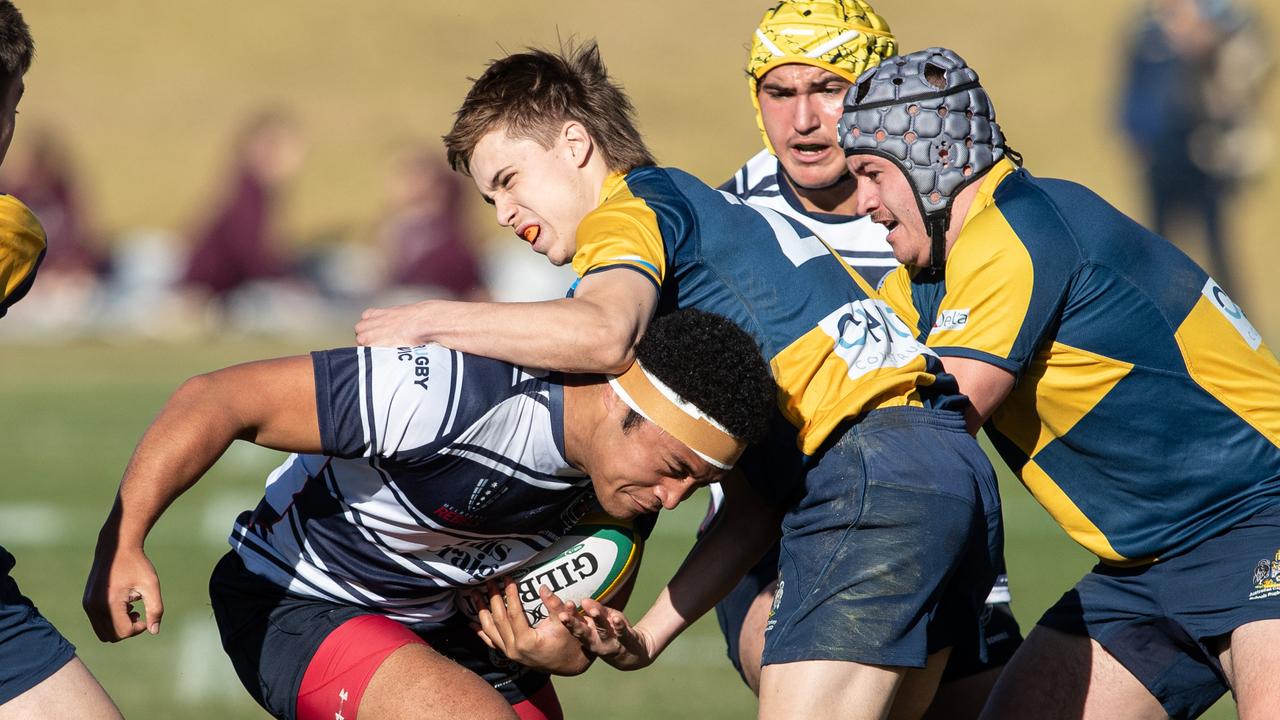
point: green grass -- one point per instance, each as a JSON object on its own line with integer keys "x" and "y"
{"x": 72, "y": 414}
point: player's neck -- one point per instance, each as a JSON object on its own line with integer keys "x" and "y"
{"x": 582, "y": 413}
{"x": 834, "y": 199}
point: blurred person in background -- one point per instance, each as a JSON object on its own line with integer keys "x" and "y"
{"x": 40, "y": 675}
{"x": 238, "y": 249}
{"x": 41, "y": 174}
{"x": 803, "y": 58}
{"x": 1190, "y": 108}
{"x": 425, "y": 238}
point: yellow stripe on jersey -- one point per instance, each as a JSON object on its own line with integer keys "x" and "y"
{"x": 1231, "y": 363}
{"x": 818, "y": 382}
{"x": 987, "y": 315}
{"x": 1059, "y": 388}
{"x": 622, "y": 231}
{"x": 1065, "y": 512}
{"x": 22, "y": 240}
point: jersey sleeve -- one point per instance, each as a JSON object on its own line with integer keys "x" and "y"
{"x": 621, "y": 233}
{"x": 999, "y": 303}
{"x": 895, "y": 291}
{"x": 382, "y": 402}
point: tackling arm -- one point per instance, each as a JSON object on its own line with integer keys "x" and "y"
{"x": 743, "y": 530}
{"x": 270, "y": 403}
{"x": 595, "y": 331}
{"x": 986, "y": 385}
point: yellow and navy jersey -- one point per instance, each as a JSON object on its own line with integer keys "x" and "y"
{"x": 22, "y": 248}
{"x": 1146, "y": 411}
{"x": 836, "y": 350}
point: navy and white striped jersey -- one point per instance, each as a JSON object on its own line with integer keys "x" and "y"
{"x": 859, "y": 241}
{"x": 441, "y": 470}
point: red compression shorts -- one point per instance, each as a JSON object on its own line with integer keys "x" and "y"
{"x": 339, "y": 672}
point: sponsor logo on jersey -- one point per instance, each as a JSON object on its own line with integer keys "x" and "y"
{"x": 951, "y": 320}
{"x": 1232, "y": 312}
{"x": 1266, "y": 578}
{"x": 869, "y": 336}
{"x": 478, "y": 558}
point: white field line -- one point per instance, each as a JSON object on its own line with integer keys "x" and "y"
{"x": 203, "y": 672}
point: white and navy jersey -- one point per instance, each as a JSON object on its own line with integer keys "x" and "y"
{"x": 441, "y": 470}
{"x": 859, "y": 241}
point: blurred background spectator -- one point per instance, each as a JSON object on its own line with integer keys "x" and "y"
{"x": 238, "y": 243}
{"x": 41, "y": 173}
{"x": 424, "y": 238}
{"x": 1190, "y": 107}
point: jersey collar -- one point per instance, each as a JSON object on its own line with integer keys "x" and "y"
{"x": 987, "y": 190}
{"x": 613, "y": 183}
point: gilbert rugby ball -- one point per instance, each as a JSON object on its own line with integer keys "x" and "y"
{"x": 593, "y": 560}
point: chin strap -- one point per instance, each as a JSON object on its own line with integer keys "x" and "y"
{"x": 936, "y": 223}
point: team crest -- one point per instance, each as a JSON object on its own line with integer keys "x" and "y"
{"x": 1266, "y": 578}
{"x": 485, "y": 492}
{"x": 777, "y": 601}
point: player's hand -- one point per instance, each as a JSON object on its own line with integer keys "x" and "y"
{"x": 548, "y": 647}
{"x": 607, "y": 633}
{"x": 398, "y": 326}
{"x": 118, "y": 579}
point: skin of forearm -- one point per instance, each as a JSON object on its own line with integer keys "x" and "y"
{"x": 740, "y": 535}
{"x": 569, "y": 335}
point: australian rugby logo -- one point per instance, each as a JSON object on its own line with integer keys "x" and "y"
{"x": 1266, "y": 578}
{"x": 485, "y": 492}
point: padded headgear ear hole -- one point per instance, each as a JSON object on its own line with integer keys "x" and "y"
{"x": 935, "y": 75}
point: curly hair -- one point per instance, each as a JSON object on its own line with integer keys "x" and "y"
{"x": 714, "y": 364}
{"x": 16, "y": 47}
{"x": 533, "y": 94}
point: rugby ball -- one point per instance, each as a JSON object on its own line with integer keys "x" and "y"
{"x": 593, "y": 560}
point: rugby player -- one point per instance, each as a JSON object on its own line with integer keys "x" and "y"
{"x": 804, "y": 56}
{"x": 421, "y": 470}
{"x": 1121, "y": 384}
{"x": 906, "y": 539}
{"x": 40, "y": 674}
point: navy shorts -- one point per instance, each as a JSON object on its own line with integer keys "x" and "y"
{"x": 271, "y": 635}
{"x": 1164, "y": 621}
{"x": 999, "y": 627}
{"x": 31, "y": 648}
{"x": 893, "y": 548}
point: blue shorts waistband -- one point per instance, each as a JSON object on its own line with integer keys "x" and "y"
{"x": 908, "y": 416}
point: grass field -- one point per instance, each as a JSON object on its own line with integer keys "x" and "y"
{"x": 71, "y": 415}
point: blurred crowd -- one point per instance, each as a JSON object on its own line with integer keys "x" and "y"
{"x": 236, "y": 270}
{"x": 1189, "y": 106}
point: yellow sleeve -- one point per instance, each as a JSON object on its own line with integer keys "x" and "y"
{"x": 622, "y": 232}
{"x": 987, "y": 312}
{"x": 22, "y": 241}
{"x": 895, "y": 290}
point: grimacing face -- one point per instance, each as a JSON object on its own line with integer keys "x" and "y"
{"x": 540, "y": 193}
{"x": 800, "y": 106}
{"x": 642, "y": 469}
{"x": 884, "y": 193}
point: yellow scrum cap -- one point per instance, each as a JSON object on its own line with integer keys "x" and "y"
{"x": 22, "y": 244}
{"x": 842, "y": 36}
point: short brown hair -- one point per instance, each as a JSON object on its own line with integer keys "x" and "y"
{"x": 16, "y": 47}
{"x": 532, "y": 94}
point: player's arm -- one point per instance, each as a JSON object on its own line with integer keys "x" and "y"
{"x": 270, "y": 403}
{"x": 986, "y": 385}
{"x": 742, "y": 532}
{"x": 594, "y": 331}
